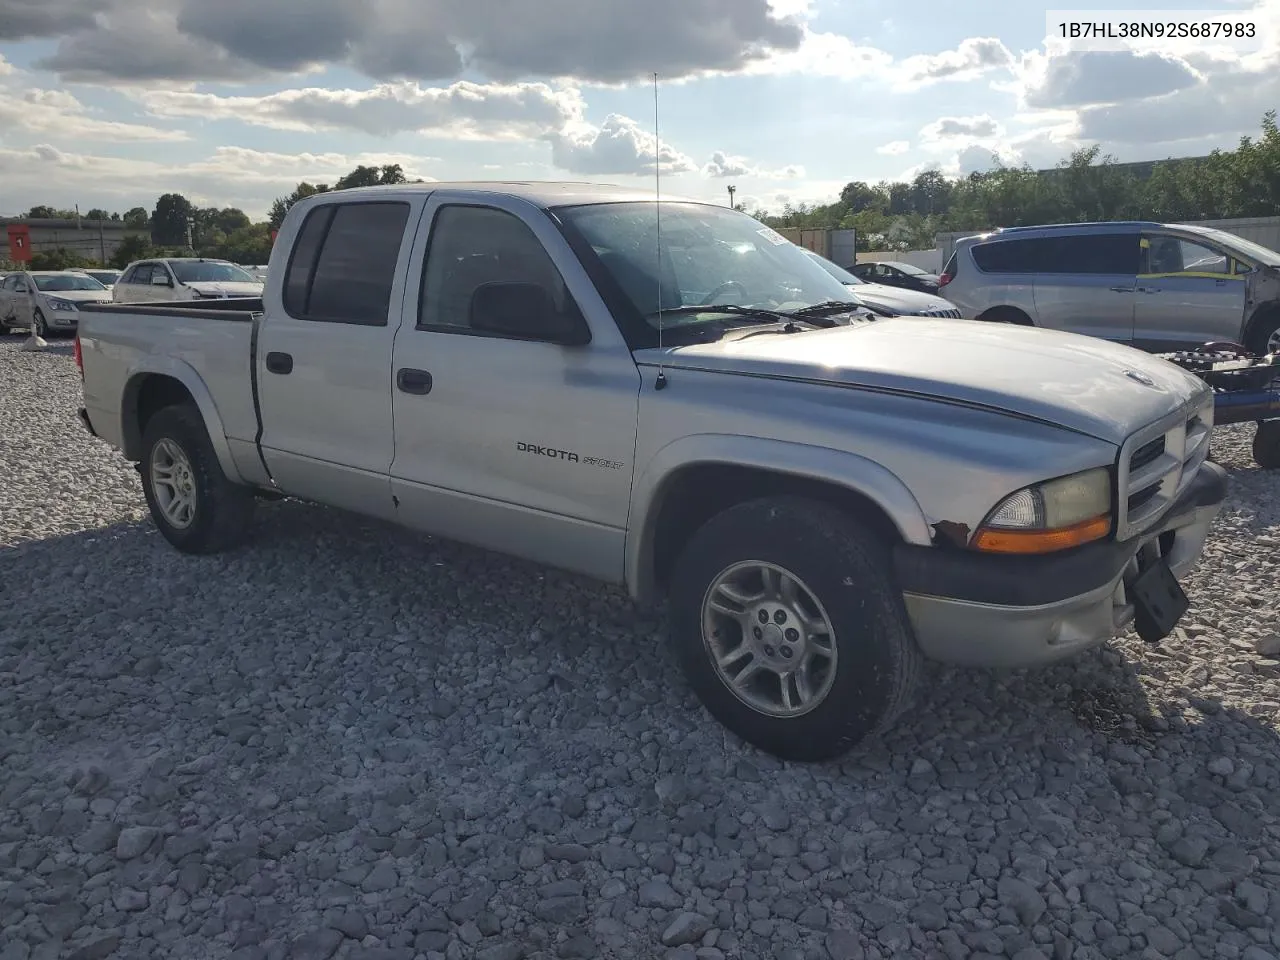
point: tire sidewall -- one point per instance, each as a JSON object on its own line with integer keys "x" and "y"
{"x": 39, "y": 326}
{"x": 180, "y": 426}
{"x": 1267, "y": 325}
{"x": 866, "y": 615}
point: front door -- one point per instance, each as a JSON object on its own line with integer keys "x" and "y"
{"x": 137, "y": 285}
{"x": 1085, "y": 283}
{"x": 510, "y": 443}
{"x": 1188, "y": 294}
{"x": 324, "y": 360}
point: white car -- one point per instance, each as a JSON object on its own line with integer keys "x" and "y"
{"x": 105, "y": 276}
{"x": 181, "y": 278}
{"x": 886, "y": 299}
{"x": 48, "y": 300}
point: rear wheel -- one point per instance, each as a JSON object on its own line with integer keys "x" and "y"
{"x": 788, "y": 626}
{"x": 1006, "y": 315}
{"x": 1264, "y": 338}
{"x": 1266, "y": 445}
{"x": 192, "y": 502}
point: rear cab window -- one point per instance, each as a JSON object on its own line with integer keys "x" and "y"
{"x": 343, "y": 264}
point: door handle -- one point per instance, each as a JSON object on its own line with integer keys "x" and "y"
{"x": 410, "y": 380}
{"x": 1123, "y": 289}
{"x": 281, "y": 363}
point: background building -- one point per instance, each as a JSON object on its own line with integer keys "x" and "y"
{"x": 23, "y": 237}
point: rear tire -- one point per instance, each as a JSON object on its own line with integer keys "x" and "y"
{"x": 1264, "y": 338}
{"x": 1006, "y": 315}
{"x": 193, "y": 504}
{"x": 1266, "y": 445}
{"x": 858, "y": 679}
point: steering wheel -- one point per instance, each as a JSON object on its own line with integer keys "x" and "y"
{"x": 714, "y": 295}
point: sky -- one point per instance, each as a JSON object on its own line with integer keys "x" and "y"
{"x": 109, "y": 103}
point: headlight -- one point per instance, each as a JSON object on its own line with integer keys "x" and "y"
{"x": 57, "y": 304}
{"x": 1054, "y": 515}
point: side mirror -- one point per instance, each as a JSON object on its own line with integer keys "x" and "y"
{"x": 523, "y": 311}
{"x": 160, "y": 280}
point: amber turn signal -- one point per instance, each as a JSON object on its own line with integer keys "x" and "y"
{"x": 991, "y": 540}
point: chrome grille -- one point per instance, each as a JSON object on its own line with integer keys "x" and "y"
{"x": 1158, "y": 462}
{"x": 940, "y": 312}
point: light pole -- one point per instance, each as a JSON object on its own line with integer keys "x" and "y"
{"x": 732, "y": 191}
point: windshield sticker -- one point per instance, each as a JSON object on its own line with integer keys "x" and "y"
{"x": 773, "y": 236}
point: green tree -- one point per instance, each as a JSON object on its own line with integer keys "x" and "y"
{"x": 169, "y": 220}
{"x": 97, "y": 213}
{"x": 45, "y": 212}
{"x": 59, "y": 259}
{"x": 282, "y": 204}
{"x": 137, "y": 219}
{"x": 133, "y": 247}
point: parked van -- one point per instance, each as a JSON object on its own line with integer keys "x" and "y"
{"x": 1155, "y": 286}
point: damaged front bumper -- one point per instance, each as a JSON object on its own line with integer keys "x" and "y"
{"x": 990, "y": 611}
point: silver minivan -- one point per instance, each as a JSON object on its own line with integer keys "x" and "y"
{"x": 1152, "y": 285}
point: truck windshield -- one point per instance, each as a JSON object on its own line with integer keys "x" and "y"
{"x": 708, "y": 256}
{"x": 67, "y": 281}
{"x": 196, "y": 271}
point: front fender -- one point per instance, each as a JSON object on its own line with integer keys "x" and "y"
{"x": 848, "y": 470}
{"x": 185, "y": 374}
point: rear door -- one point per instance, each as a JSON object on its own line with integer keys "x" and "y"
{"x": 23, "y": 299}
{"x": 1188, "y": 293}
{"x": 324, "y": 353}
{"x": 511, "y": 443}
{"x": 1085, "y": 283}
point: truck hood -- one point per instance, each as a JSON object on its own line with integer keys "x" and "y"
{"x": 209, "y": 288}
{"x": 1091, "y": 386}
{"x": 896, "y": 299}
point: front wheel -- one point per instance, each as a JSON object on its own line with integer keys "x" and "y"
{"x": 1266, "y": 445}
{"x": 193, "y": 504}
{"x": 788, "y": 626}
{"x": 39, "y": 326}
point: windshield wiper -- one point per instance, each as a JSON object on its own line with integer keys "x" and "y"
{"x": 730, "y": 308}
{"x": 826, "y": 307}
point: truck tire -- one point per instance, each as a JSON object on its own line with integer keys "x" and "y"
{"x": 1266, "y": 445}
{"x": 192, "y": 502}
{"x": 775, "y": 589}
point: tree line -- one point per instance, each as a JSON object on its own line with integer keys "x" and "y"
{"x": 1087, "y": 186}
{"x": 176, "y": 227}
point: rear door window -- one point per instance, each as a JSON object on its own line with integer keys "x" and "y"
{"x": 346, "y": 276}
{"x": 1110, "y": 254}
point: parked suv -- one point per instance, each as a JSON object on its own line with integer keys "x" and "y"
{"x": 1153, "y": 285}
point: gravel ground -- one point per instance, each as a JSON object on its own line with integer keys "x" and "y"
{"x": 345, "y": 741}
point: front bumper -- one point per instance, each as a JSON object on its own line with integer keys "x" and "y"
{"x": 989, "y": 611}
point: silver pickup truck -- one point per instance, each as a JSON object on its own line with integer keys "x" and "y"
{"x": 673, "y": 397}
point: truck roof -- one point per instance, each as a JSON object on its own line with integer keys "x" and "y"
{"x": 544, "y": 193}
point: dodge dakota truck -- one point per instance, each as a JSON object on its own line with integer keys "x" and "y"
{"x": 671, "y": 396}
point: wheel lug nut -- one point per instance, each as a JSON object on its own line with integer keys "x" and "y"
{"x": 780, "y": 617}
{"x": 786, "y": 652}
{"x": 763, "y": 616}
{"x": 768, "y": 651}
{"x": 793, "y": 634}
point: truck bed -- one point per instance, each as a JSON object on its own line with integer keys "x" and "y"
{"x": 121, "y": 343}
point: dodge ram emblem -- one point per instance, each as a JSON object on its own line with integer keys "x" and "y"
{"x": 1141, "y": 378}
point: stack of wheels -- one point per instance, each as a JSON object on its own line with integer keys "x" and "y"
{"x": 1266, "y": 445}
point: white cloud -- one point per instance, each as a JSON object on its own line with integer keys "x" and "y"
{"x": 722, "y": 165}
{"x": 230, "y": 176}
{"x": 5, "y": 66}
{"x": 460, "y": 111}
{"x": 56, "y": 113}
{"x": 948, "y": 129}
{"x": 973, "y": 58}
{"x": 619, "y": 146}
{"x": 894, "y": 148}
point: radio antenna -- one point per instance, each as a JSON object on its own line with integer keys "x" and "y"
{"x": 661, "y": 381}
